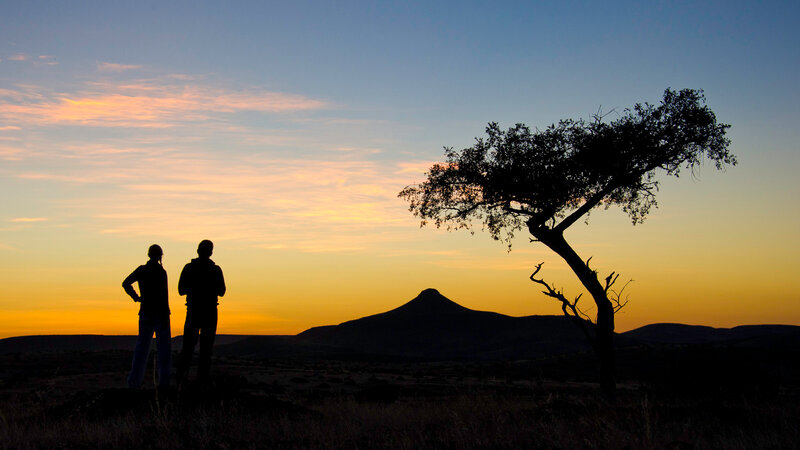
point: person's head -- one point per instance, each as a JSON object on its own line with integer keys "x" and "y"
{"x": 154, "y": 252}
{"x": 205, "y": 249}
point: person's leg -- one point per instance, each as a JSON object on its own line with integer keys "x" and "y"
{"x": 164, "y": 346}
{"x": 190, "y": 330}
{"x": 141, "y": 352}
{"x": 207, "y": 335}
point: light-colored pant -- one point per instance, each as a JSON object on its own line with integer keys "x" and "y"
{"x": 148, "y": 325}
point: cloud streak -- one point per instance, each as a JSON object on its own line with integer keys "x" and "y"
{"x": 178, "y": 157}
{"x": 47, "y": 60}
{"x": 112, "y": 67}
{"x": 311, "y": 205}
{"x": 306, "y": 204}
{"x": 29, "y": 219}
{"x": 10, "y": 153}
{"x": 145, "y": 104}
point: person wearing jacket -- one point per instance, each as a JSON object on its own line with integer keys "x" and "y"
{"x": 153, "y": 298}
{"x": 202, "y": 283}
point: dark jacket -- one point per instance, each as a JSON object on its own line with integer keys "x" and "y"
{"x": 153, "y": 291}
{"x": 201, "y": 282}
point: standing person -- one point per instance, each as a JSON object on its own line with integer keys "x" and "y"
{"x": 153, "y": 298}
{"x": 202, "y": 283}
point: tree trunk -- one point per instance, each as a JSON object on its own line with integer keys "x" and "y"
{"x": 604, "y": 330}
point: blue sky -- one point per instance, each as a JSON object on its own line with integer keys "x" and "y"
{"x": 438, "y": 53}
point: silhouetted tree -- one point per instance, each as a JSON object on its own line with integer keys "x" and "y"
{"x": 545, "y": 181}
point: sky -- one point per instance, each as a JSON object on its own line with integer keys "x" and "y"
{"x": 283, "y": 131}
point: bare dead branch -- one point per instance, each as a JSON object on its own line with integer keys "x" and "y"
{"x": 610, "y": 280}
{"x": 570, "y": 308}
{"x": 618, "y": 306}
{"x": 616, "y": 296}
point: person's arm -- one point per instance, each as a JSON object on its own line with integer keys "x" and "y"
{"x": 183, "y": 281}
{"x": 220, "y": 282}
{"x": 127, "y": 284}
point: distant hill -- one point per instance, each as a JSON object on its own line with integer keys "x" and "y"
{"x": 676, "y": 333}
{"x": 429, "y": 327}
{"x": 432, "y": 326}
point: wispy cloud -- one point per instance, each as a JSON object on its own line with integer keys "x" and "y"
{"x": 415, "y": 167}
{"x": 113, "y": 67}
{"x": 41, "y": 60}
{"x": 29, "y": 219}
{"x": 59, "y": 177}
{"x": 47, "y": 60}
{"x": 148, "y": 103}
{"x": 357, "y": 151}
{"x": 309, "y": 205}
{"x": 272, "y": 188}
{"x": 194, "y": 162}
{"x": 185, "y": 77}
{"x": 9, "y": 153}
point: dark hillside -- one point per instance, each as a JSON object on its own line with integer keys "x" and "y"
{"x": 433, "y": 327}
{"x": 676, "y": 333}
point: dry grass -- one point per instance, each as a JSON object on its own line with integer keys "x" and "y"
{"x": 402, "y": 406}
{"x": 461, "y": 421}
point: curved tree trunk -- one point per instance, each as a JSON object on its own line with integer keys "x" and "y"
{"x": 604, "y": 330}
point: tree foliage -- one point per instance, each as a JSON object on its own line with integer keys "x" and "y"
{"x": 548, "y": 179}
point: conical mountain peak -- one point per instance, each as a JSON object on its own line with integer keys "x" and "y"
{"x": 433, "y": 326}
{"x": 431, "y": 302}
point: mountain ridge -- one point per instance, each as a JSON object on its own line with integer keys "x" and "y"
{"x": 431, "y": 326}
{"x": 678, "y": 333}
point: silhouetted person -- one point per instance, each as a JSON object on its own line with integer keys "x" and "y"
{"x": 153, "y": 317}
{"x": 201, "y": 282}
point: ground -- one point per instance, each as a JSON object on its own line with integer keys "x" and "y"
{"x": 79, "y": 400}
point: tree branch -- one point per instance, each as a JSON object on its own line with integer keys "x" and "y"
{"x": 616, "y": 297}
{"x": 598, "y": 197}
{"x": 521, "y": 212}
{"x": 570, "y": 308}
{"x": 610, "y": 280}
{"x": 586, "y": 207}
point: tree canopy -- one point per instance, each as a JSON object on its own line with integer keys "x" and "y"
{"x": 548, "y": 179}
